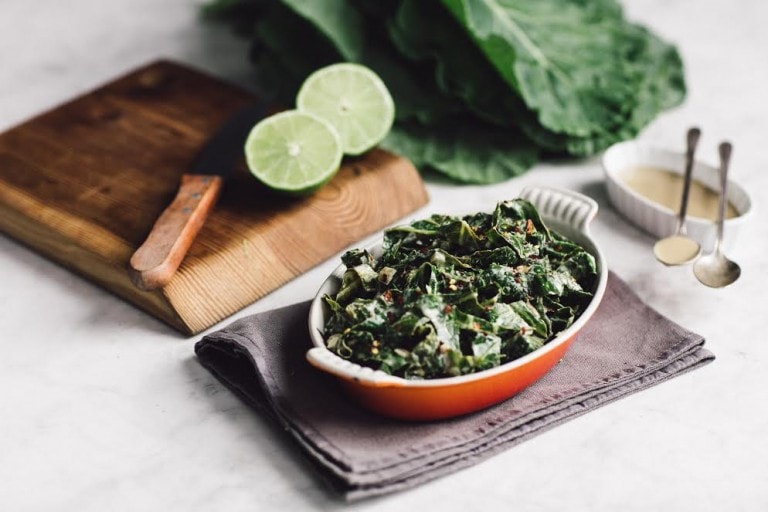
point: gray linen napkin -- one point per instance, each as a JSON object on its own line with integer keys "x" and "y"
{"x": 626, "y": 347}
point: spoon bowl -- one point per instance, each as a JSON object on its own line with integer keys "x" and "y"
{"x": 714, "y": 269}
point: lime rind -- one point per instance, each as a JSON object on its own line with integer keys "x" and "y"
{"x": 354, "y": 100}
{"x": 293, "y": 152}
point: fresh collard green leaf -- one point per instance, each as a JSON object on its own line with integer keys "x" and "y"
{"x": 241, "y": 14}
{"x": 482, "y": 88}
{"x": 655, "y": 69}
{"x": 463, "y": 294}
{"x": 417, "y": 99}
{"x": 659, "y": 70}
{"x": 354, "y": 39}
{"x": 293, "y": 38}
{"x": 469, "y": 152}
{"x": 425, "y": 32}
{"x": 556, "y": 55}
{"x": 563, "y": 57}
{"x": 338, "y": 21}
{"x": 286, "y": 50}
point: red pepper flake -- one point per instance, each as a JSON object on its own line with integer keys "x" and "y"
{"x": 522, "y": 330}
{"x": 387, "y": 295}
{"x": 528, "y": 226}
{"x": 447, "y": 309}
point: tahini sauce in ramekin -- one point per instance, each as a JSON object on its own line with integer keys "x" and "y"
{"x": 666, "y": 188}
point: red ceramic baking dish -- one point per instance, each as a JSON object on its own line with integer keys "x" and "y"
{"x": 567, "y": 212}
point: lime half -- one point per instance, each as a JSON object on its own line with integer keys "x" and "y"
{"x": 294, "y": 152}
{"x": 354, "y": 100}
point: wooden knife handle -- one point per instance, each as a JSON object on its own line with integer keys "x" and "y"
{"x": 153, "y": 264}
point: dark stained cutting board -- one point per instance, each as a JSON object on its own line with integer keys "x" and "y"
{"x": 83, "y": 184}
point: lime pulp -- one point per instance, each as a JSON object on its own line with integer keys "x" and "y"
{"x": 354, "y": 100}
{"x": 293, "y": 152}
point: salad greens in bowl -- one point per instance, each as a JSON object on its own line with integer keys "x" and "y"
{"x": 451, "y": 314}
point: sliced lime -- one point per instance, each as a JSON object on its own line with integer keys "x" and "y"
{"x": 354, "y": 100}
{"x": 294, "y": 152}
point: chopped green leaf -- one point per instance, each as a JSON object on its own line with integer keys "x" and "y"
{"x": 462, "y": 294}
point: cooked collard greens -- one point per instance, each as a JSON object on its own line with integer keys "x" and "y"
{"x": 454, "y": 295}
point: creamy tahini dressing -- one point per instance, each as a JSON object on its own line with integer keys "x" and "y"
{"x": 676, "y": 250}
{"x": 666, "y": 188}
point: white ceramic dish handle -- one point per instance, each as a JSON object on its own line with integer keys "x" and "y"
{"x": 325, "y": 360}
{"x": 566, "y": 206}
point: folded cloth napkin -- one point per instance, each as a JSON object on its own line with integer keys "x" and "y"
{"x": 626, "y": 347}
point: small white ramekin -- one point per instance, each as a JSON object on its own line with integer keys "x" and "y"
{"x": 659, "y": 220}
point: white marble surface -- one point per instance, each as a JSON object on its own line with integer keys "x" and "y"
{"x": 104, "y": 408}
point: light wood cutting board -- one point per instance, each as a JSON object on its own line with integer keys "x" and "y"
{"x": 83, "y": 184}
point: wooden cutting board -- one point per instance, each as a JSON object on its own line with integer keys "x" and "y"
{"x": 84, "y": 183}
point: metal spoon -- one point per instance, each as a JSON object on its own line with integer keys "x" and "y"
{"x": 678, "y": 249}
{"x": 714, "y": 269}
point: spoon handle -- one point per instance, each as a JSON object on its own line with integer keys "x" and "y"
{"x": 692, "y": 140}
{"x": 725, "y": 158}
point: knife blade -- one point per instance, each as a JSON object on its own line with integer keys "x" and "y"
{"x": 153, "y": 264}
